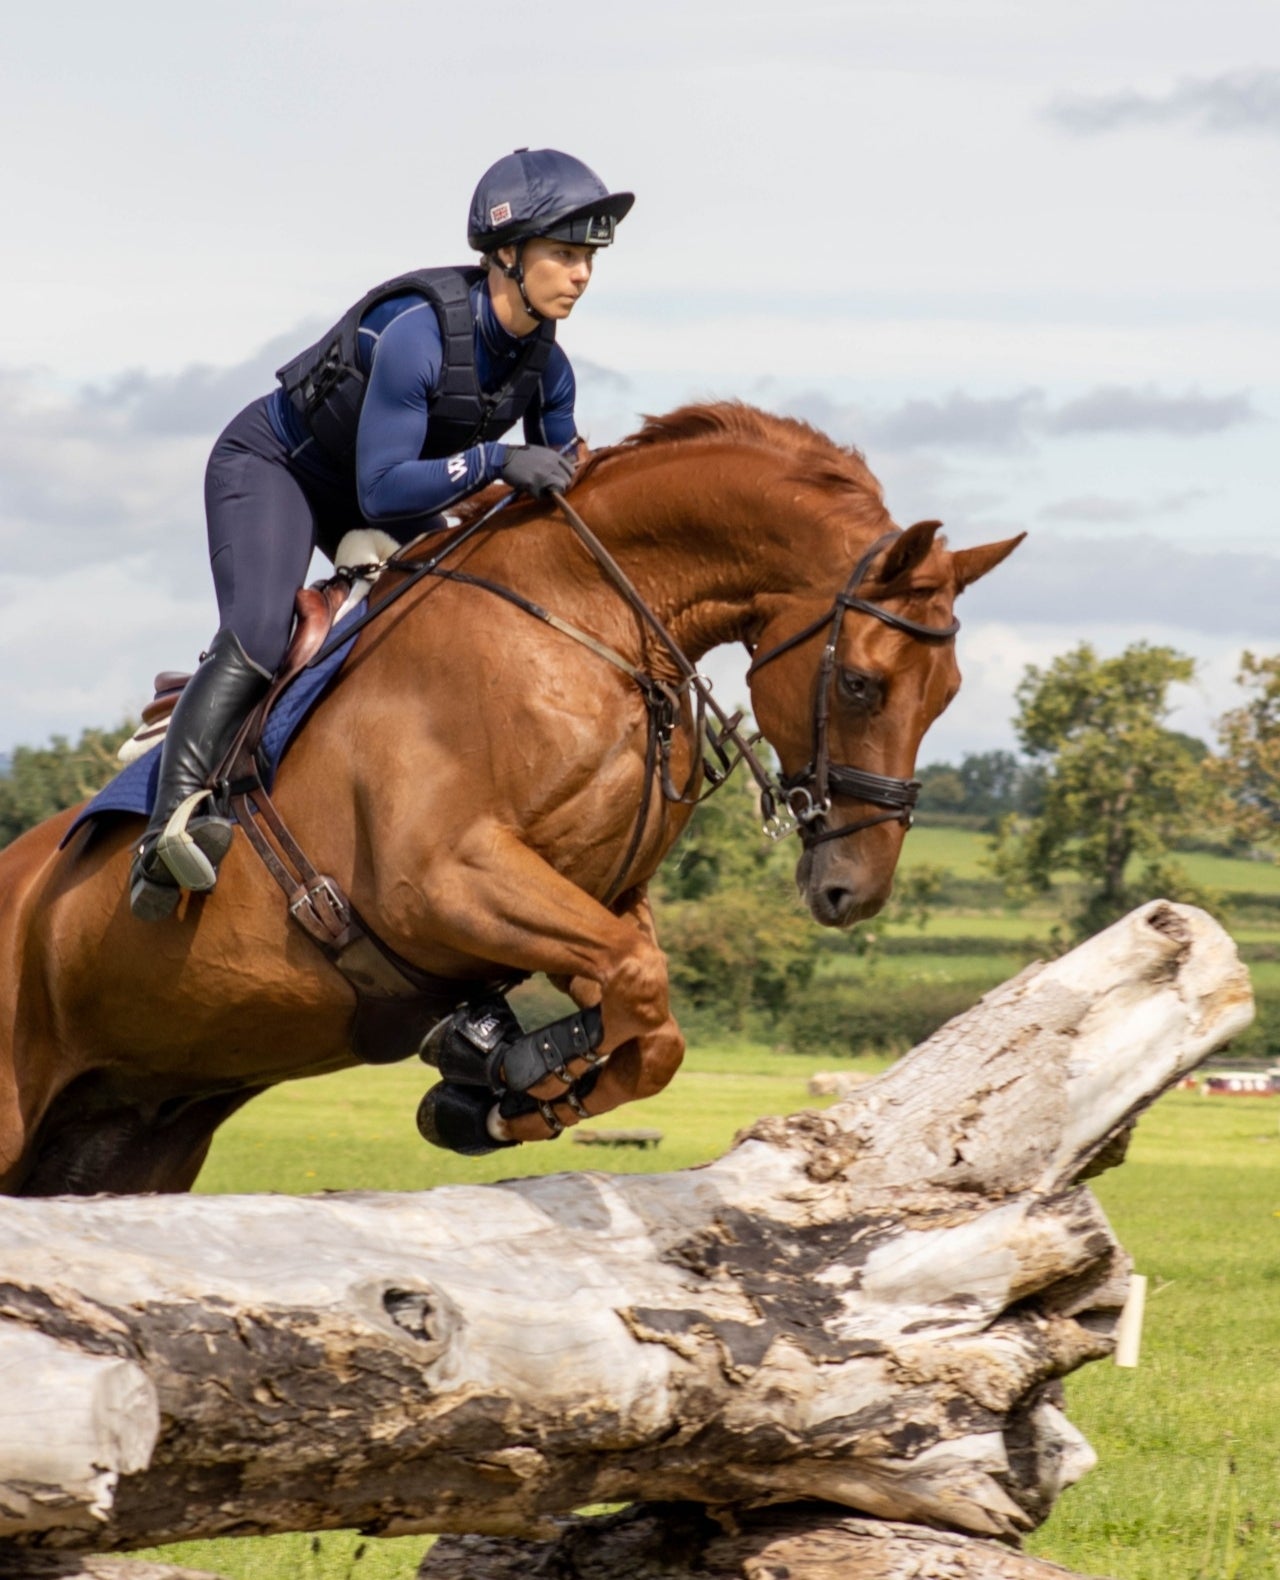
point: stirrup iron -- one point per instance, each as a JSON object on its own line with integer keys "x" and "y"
{"x": 193, "y": 858}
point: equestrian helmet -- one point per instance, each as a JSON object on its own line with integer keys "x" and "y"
{"x": 542, "y": 192}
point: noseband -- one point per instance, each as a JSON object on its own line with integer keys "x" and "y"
{"x": 809, "y": 792}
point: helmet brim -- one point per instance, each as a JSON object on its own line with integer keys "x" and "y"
{"x": 590, "y": 225}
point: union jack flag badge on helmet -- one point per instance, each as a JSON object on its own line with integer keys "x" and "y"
{"x": 500, "y": 213}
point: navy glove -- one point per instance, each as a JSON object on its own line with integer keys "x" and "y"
{"x": 536, "y": 470}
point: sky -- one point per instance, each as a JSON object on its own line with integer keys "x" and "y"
{"x": 1024, "y": 257}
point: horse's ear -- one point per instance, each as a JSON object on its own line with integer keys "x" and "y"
{"x": 908, "y": 550}
{"x": 970, "y": 564}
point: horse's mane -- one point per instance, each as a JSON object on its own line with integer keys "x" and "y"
{"x": 810, "y": 456}
{"x": 818, "y": 459}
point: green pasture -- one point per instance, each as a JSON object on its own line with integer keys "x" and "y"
{"x": 1188, "y": 1487}
{"x": 965, "y": 852}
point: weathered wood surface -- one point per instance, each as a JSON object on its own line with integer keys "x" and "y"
{"x": 680, "y": 1542}
{"x": 16, "y": 1565}
{"x": 870, "y": 1306}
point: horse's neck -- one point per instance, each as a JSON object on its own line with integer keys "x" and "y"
{"x": 705, "y": 536}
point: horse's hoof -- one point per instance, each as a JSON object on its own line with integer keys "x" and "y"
{"x": 454, "y": 1117}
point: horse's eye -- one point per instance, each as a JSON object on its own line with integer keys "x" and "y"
{"x": 859, "y": 689}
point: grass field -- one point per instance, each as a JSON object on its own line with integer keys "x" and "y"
{"x": 964, "y": 852}
{"x": 1188, "y": 1486}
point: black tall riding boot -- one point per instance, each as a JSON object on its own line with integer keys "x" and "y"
{"x": 185, "y": 841}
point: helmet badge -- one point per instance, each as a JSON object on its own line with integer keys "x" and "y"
{"x": 500, "y": 213}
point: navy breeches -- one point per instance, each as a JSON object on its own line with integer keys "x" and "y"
{"x": 265, "y": 516}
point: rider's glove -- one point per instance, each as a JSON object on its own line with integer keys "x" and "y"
{"x": 536, "y": 469}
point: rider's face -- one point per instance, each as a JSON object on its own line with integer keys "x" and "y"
{"x": 556, "y": 273}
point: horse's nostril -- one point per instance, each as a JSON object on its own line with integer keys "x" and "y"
{"x": 836, "y": 901}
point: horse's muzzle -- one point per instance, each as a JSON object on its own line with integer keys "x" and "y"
{"x": 832, "y": 890}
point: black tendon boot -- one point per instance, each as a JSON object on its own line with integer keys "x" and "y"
{"x": 185, "y": 841}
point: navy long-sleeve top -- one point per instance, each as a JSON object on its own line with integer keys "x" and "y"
{"x": 402, "y": 353}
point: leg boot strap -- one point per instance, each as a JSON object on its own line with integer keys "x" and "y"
{"x": 516, "y": 1104}
{"x": 537, "y": 1054}
{"x": 581, "y": 1088}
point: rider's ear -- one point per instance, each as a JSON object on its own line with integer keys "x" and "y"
{"x": 908, "y": 550}
{"x": 970, "y": 564}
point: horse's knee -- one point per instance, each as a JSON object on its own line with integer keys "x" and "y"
{"x": 661, "y": 1056}
{"x": 636, "y": 998}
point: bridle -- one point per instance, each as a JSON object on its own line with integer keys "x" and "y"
{"x": 808, "y": 793}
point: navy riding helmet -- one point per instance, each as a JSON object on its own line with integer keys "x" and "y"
{"x": 542, "y": 192}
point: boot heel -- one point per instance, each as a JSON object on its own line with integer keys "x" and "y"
{"x": 151, "y": 901}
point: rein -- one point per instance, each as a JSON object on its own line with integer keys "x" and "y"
{"x": 693, "y": 679}
{"x": 808, "y": 792}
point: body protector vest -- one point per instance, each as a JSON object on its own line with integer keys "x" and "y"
{"x": 326, "y": 385}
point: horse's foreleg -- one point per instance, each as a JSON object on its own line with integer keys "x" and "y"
{"x": 14, "y": 1138}
{"x": 637, "y": 1068}
{"x": 510, "y": 906}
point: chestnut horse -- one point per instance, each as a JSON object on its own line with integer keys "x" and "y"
{"x": 473, "y": 781}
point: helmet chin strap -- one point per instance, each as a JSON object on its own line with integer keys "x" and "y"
{"x": 515, "y": 271}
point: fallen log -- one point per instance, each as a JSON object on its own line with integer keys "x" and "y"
{"x": 677, "y": 1542}
{"x": 870, "y": 1306}
{"x": 88, "y": 1566}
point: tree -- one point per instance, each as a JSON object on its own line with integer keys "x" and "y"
{"x": 986, "y": 785}
{"x": 1119, "y": 786}
{"x": 1249, "y": 738}
{"x": 42, "y": 780}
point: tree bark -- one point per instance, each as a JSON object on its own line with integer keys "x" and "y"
{"x": 681, "y": 1542}
{"x": 18, "y": 1565}
{"x": 871, "y": 1306}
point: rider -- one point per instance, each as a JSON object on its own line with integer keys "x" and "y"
{"x": 393, "y": 416}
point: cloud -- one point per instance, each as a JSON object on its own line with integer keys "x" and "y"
{"x": 198, "y": 399}
{"x": 117, "y": 467}
{"x": 1100, "y": 507}
{"x": 1011, "y": 423}
{"x": 1236, "y": 101}
{"x": 593, "y": 375}
{"x": 80, "y": 648}
{"x": 79, "y": 482}
{"x": 1001, "y": 423}
{"x": 1135, "y": 579}
{"x": 1121, "y": 409}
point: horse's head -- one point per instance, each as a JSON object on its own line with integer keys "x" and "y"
{"x": 844, "y": 686}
